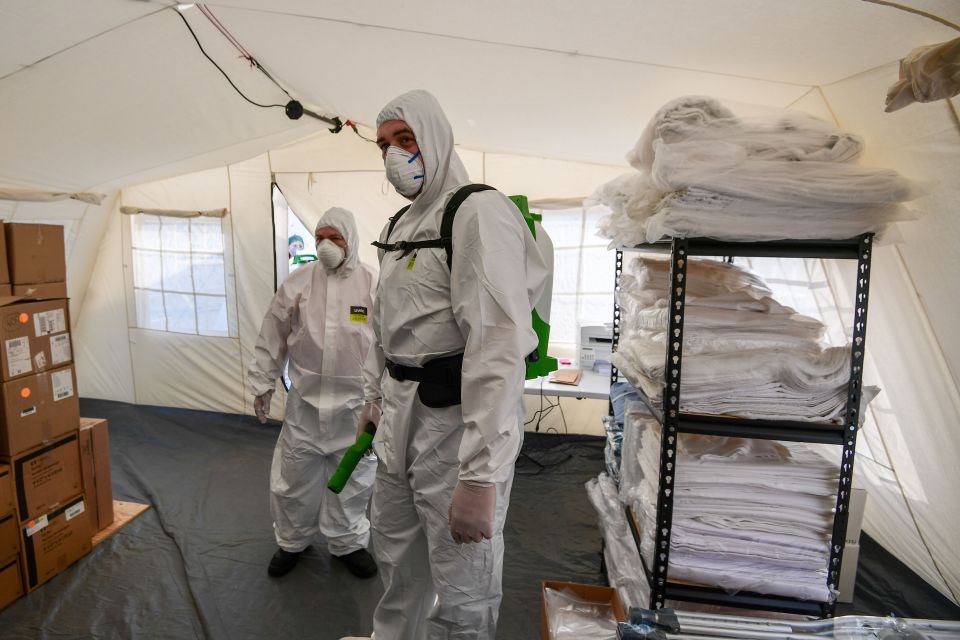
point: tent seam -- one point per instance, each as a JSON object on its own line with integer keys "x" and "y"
{"x": 82, "y": 42}
{"x": 126, "y": 302}
{"x": 510, "y": 45}
{"x": 236, "y": 302}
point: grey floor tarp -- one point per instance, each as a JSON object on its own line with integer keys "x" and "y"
{"x": 194, "y": 566}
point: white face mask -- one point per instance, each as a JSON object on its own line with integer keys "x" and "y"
{"x": 404, "y": 171}
{"x": 330, "y": 255}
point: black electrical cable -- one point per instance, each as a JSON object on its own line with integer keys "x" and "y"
{"x": 213, "y": 62}
{"x": 215, "y": 21}
{"x": 294, "y": 109}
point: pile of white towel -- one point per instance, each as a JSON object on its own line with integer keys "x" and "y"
{"x": 704, "y": 172}
{"x": 744, "y": 354}
{"x": 751, "y": 515}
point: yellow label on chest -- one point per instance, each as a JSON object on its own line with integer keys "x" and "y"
{"x": 358, "y": 314}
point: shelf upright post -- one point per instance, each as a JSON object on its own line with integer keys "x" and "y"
{"x": 617, "y": 272}
{"x": 852, "y": 414}
{"x": 669, "y": 434}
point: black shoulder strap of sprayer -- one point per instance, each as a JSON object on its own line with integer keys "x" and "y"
{"x": 445, "y": 241}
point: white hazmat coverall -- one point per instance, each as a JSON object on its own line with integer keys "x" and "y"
{"x": 319, "y": 322}
{"x": 480, "y": 307}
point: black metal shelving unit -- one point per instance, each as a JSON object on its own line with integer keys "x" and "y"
{"x": 673, "y": 421}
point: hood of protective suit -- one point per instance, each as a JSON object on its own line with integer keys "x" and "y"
{"x": 443, "y": 168}
{"x": 343, "y": 221}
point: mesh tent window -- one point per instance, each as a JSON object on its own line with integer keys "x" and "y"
{"x": 179, "y": 274}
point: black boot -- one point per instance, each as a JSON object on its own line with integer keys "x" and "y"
{"x": 360, "y": 563}
{"x": 283, "y": 562}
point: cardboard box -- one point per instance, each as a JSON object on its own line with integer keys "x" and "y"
{"x": 592, "y": 593}
{"x": 858, "y": 504}
{"x": 9, "y": 537}
{"x": 46, "y": 477}
{"x": 40, "y": 291}
{"x": 38, "y": 409}
{"x": 54, "y": 541}
{"x": 35, "y": 253}
{"x": 11, "y": 585}
{"x": 34, "y": 337}
{"x": 848, "y": 572}
{"x": 6, "y": 289}
{"x": 4, "y": 269}
{"x": 6, "y": 489}
{"x": 95, "y": 468}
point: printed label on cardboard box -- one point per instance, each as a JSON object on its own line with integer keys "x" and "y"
{"x": 74, "y": 511}
{"x": 18, "y": 356}
{"x": 62, "y": 384}
{"x": 40, "y": 360}
{"x": 60, "y": 349}
{"x": 47, "y": 322}
{"x": 37, "y": 524}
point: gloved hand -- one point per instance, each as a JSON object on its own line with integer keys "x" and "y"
{"x": 370, "y": 413}
{"x": 472, "y": 512}
{"x": 261, "y": 406}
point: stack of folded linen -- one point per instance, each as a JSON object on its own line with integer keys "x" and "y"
{"x": 704, "y": 172}
{"x": 744, "y": 354}
{"x": 751, "y": 515}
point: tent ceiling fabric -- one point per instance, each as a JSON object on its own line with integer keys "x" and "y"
{"x": 113, "y": 92}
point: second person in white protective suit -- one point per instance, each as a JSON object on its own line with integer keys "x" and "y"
{"x": 319, "y": 322}
{"x": 453, "y": 338}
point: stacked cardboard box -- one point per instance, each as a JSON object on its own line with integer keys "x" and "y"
{"x": 11, "y": 585}
{"x": 95, "y": 466}
{"x": 35, "y": 256}
{"x": 48, "y": 512}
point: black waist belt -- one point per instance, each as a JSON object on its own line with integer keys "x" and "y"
{"x": 438, "y": 371}
{"x": 439, "y": 380}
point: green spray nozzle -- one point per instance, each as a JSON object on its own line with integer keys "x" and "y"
{"x": 352, "y": 458}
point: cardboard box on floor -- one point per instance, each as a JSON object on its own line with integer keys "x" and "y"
{"x": 851, "y": 548}
{"x": 9, "y": 537}
{"x": 46, "y": 477}
{"x": 6, "y": 489}
{"x": 35, "y": 253}
{"x": 95, "y": 467}
{"x": 37, "y": 409}
{"x": 591, "y": 593}
{"x": 54, "y": 541}
{"x": 11, "y": 585}
{"x": 34, "y": 337}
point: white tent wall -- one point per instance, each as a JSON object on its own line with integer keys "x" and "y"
{"x": 101, "y": 337}
{"x": 912, "y": 342}
{"x": 161, "y": 368}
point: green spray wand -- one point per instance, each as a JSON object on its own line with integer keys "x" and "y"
{"x": 351, "y": 458}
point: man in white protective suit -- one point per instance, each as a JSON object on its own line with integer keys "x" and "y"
{"x": 453, "y": 327}
{"x": 319, "y": 323}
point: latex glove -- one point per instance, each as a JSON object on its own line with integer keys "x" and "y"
{"x": 472, "y": 512}
{"x": 370, "y": 413}
{"x": 261, "y": 406}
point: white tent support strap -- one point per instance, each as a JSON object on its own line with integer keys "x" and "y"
{"x": 35, "y": 195}
{"x": 212, "y": 213}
